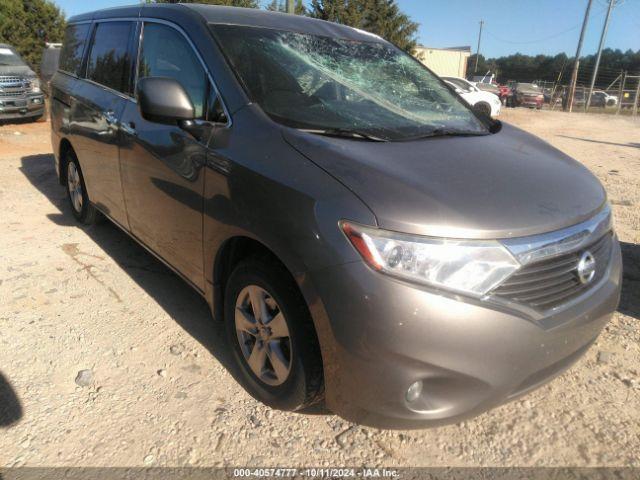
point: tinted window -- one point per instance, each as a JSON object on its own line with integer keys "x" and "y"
{"x": 109, "y": 61}
{"x": 74, "y": 41}
{"x": 166, "y": 53}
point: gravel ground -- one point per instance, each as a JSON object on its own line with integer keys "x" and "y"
{"x": 108, "y": 359}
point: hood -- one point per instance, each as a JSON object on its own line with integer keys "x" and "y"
{"x": 16, "y": 71}
{"x": 488, "y": 96}
{"x": 509, "y": 184}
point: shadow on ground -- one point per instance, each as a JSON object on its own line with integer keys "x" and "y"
{"x": 590, "y": 140}
{"x": 177, "y": 298}
{"x": 630, "y": 301}
{"x": 10, "y": 408}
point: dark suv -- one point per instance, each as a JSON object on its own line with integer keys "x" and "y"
{"x": 20, "y": 94}
{"x": 364, "y": 236}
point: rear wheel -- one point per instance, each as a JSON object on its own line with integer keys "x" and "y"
{"x": 81, "y": 207}
{"x": 274, "y": 341}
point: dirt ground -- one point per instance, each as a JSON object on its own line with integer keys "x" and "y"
{"x": 158, "y": 391}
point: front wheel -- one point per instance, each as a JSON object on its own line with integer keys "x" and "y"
{"x": 483, "y": 108}
{"x": 81, "y": 207}
{"x": 274, "y": 341}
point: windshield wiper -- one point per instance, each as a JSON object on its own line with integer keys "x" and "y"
{"x": 344, "y": 133}
{"x": 448, "y": 132}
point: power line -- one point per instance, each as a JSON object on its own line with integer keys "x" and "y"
{"x": 550, "y": 37}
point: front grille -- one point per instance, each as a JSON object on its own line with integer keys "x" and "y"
{"x": 4, "y": 79}
{"x": 550, "y": 283}
{"x": 13, "y": 86}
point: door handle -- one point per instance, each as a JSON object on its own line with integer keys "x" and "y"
{"x": 129, "y": 128}
{"x": 110, "y": 117}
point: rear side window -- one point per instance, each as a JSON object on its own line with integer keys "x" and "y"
{"x": 166, "y": 53}
{"x": 109, "y": 61}
{"x": 75, "y": 38}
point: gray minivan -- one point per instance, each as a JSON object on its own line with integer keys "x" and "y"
{"x": 365, "y": 237}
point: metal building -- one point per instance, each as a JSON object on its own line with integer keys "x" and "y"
{"x": 445, "y": 62}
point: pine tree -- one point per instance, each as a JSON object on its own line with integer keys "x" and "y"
{"x": 28, "y": 24}
{"x": 382, "y": 17}
{"x": 280, "y": 6}
{"x": 275, "y": 6}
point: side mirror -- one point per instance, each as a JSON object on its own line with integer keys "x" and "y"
{"x": 164, "y": 100}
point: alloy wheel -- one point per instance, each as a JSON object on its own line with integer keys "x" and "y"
{"x": 75, "y": 186}
{"x": 263, "y": 335}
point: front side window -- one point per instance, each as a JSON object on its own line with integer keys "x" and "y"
{"x": 316, "y": 82}
{"x": 75, "y": 37}
{"x": 462, "y": 85}
{"x": 9, "y": 57}
{"x": 109, "y": 62}
{"x": 166, "y": 53}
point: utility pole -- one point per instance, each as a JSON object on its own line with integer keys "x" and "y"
{"x": 576, "y": 63}
{"x": 623, "y": 81}
{"x": 603, "y": 37}
{"x": 290, "y": 6}
{"x": 475, "y": 70}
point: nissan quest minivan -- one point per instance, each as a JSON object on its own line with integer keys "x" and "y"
{"x": 366, "y": 238}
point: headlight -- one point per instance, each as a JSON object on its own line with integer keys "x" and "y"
{"x": 35, "y": 84}
{"x": 464, "y": 266}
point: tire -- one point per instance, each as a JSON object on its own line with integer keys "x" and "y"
{"x": 483, "y": 108}
{"x": 303, "y": 384}
{"x": 82, "y": 209}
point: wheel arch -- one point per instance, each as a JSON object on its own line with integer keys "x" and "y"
{"x": 231, "y": 252}
{"x": 64, "y": 147}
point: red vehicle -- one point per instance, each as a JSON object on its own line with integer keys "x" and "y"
{"x": 505, "y": 94}
{"x": 527, "y": 95}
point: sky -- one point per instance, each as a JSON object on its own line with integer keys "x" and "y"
{"x": 526, "y": 26}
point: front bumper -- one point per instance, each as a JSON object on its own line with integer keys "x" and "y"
{"x": 21, "y": 107}
{"x": 530, "y": 102}
{"x": 387, "y": 334}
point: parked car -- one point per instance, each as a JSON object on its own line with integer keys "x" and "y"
{"x": 49, "y": 65}
{"x": 527, "y": 95}
{"x": 602, "y": 99}
{"x": 367, "y": 238}
{"x": 483, "y": 102}
{"x": 20, "y": 94}
{"x": 487, "y": 87}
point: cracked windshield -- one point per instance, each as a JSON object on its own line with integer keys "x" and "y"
{"x": 343, "y": 87}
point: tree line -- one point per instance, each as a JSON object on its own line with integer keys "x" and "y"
{"x": 382, "y": 17}
{"x": 28, "y": 24}
{"x": 526, "y": 68}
